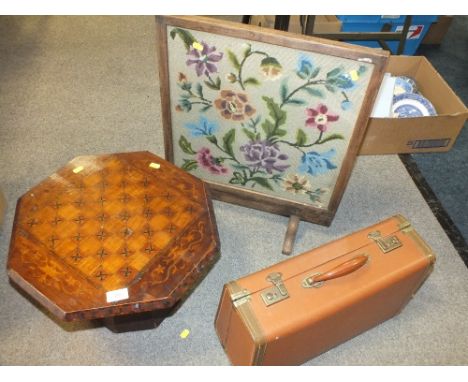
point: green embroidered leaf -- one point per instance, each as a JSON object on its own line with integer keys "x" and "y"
{"x": 185, "y": 85}
{"x": 239, "y": 166}
{"x": 280, "y": 132}
{"x": 189, "y": 165}
{"x": 256, "y": 120}
{"x": 262, "y": 182}
{"x": 228, "y": 140}
{"x": 186, "y": 146}
{"x": 251, "y": 81}
{"x": 283, "y": 91}
{"x": 268, "y": 128}
{"x": 314, "y": 197}
{"x": 313, "y": 92}
{"x": 301, "y": 75}
{"x": 233, "y": 58}
{"x": 247, "y": 50}
{"x": 249, "y": 134}
{"x": 212, "y": 86}
{"x": 278, "y": 115}
{"x": 205, "y": 108}
{"x": 296, "y": 101}
{"x": 315, "y": 73}
{"x": 330, "y": 88}
{"x": 301, "y": 137}
{"x": 185, "y": 36}
{"x": 335, "y": 72}
{"x": 330, "y": 137}
{"x": 277, "y": 178}
{"x": 218, "y": 83}
{"x": 212, "y": 139}
{"x": 185, "y": 104}
{"x": 237, "y": 179}
{"x": 199, "y": 90}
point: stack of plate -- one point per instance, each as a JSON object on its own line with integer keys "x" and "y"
{"x": 408, "y": 102}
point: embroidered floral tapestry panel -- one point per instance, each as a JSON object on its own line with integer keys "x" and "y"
{"x": 260, "y": 116}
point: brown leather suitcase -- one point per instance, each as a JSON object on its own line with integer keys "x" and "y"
{"x": 303, "y": 306}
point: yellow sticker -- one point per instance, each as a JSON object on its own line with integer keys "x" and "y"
{"x": 197, "y": 46}
{"x": 76, "y": 170}
{"x": 184, "y": 334}
{"x": 354, "y": 75}
{"x": 155, "y": 165}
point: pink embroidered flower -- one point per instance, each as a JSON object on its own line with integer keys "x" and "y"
{"x": 320, "y": 117}
{"x": 208, "y": 162}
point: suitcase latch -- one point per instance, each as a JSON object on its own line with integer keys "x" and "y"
{"x": 278, "y": 292}
{"x": 386, "y": 244}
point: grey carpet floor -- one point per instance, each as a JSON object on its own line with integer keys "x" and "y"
{"x": 446, "y": 173}
{"x": 73, "y": 86}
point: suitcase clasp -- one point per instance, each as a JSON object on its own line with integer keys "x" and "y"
{"x": 278, "y": 292}
{"x": 386, "y": 244}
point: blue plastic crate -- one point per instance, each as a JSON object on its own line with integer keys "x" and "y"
{"x": 371, "y": 19}
{"x": 373, "y": 23}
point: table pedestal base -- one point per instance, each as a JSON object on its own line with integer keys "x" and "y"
{"x": 138, "y": 321}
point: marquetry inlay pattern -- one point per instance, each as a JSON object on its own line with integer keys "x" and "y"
{"x": 112, "y": 222}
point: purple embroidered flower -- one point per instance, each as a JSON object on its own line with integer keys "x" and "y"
{"x": 208, "y": 162}
{"x": 264, "y": 154}
{"x": 315, "y": 163}
{"x": 203, "y": 56}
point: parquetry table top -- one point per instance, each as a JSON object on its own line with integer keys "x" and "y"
{"x": 112, "y": 235}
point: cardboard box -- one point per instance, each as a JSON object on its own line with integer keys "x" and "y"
{"x": 322, "y": 24}
{"x": 438, "y": 30}
{"x": 422, "y": 134}
{"x": 327, "y": 24}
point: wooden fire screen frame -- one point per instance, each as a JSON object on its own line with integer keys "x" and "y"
{"x": 270, "y": 120}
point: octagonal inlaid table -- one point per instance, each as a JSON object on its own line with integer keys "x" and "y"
{"x": 122, "y": 237}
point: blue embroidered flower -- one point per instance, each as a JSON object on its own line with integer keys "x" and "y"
{"x": 346, "y": 104}
{"x": 203, "y": 128}
{"x": 304, "y": 66}
{"x": 317, "y": 164}
{"x": 348, "y": 80}
{"x": 345, "y": 81}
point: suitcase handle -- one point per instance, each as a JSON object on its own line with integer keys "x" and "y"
{"x": 317, "y": 279}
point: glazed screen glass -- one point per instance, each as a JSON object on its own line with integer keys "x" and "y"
{"x": 260, "y": 116}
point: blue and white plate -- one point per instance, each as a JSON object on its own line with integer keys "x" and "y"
{"x": 404, "y": 85}
{"x": 409, "y": 105}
